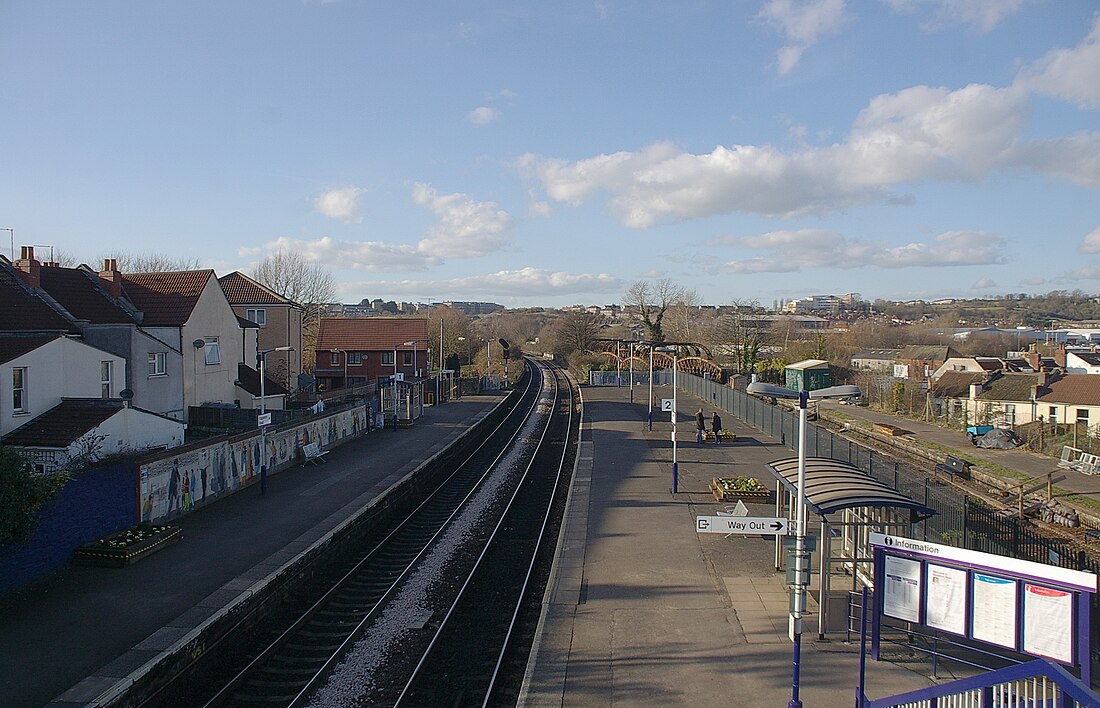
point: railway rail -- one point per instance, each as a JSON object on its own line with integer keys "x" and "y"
{"x": 453, "y": 579}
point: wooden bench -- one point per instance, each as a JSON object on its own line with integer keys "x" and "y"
{"x": 954, "y": 466}
{"x": 312, "y": 454}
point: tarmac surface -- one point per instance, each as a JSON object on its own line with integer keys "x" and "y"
{"x": 644, "y": 611}
{"x": 641, "y": 610}
{"x": 72, "y": 636}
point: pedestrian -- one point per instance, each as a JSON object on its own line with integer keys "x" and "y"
{"x": 716, "y": 424}
{"x": 700, "y": 426}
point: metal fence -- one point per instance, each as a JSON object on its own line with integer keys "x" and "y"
{"x": 960, "y": 521}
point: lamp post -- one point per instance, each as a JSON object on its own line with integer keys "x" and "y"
{"x": 632, "y": 371}
{"x": 618, "y": 365}
{"x": 261, "y": 360}
{"x": 649, "y": 416}
{"x": 801, "y": 574}
{"x": 675, "y": 475}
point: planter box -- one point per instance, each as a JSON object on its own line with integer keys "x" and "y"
{"x": 100, "y": 553}
{"x": 723, "y": 494}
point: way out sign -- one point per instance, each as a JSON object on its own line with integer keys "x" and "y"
{"x": 754, "y": 525}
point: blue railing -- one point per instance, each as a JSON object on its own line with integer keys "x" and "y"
{"x": 1036, "y": 683}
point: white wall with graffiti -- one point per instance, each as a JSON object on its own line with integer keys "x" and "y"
{"x": 178, "y": 482}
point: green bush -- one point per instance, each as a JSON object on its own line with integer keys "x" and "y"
{"x": 22, "y": 494}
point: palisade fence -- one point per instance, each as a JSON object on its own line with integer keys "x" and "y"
{"x": 960, "y": 520}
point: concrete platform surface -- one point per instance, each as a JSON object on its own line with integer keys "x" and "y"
{"x": 643, "y": 611}
{"x": 73, "y": 635}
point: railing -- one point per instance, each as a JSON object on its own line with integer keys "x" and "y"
{"x": 1036, "y": 683}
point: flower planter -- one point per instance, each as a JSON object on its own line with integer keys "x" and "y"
{"x": 727, "y": 489}
{"x": 126, "y": 547}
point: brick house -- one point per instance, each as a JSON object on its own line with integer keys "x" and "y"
{"x": 357, "y": 351}
{"x": 279, "y": 323}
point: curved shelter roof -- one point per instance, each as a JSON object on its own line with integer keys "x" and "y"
{"x": 832, "y": 485}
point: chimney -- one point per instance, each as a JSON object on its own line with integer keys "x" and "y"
{"x": 975, "y": 390}
{"x": 1042, "y": 379}
{"x": 1060, "y": 356}
{"x": 111, "y": 277}
{"x": 28, "y": 267}
{"x": 1032, "y": 358}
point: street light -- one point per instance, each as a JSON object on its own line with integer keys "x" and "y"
{"x": 675, "y": 476}
{"x": 261, "y": 360}
{"x": 801, "y": 569}
{"x": 649, "y": 416}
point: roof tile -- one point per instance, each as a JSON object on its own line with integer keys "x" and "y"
{"x": 372, "y": 333}
{"x": 166, "y": 299}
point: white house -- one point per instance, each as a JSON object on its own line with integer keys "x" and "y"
{"x": 38, "y": 370}
{"x": 1082, "y": 362}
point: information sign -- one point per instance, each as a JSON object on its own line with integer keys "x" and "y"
{"x": 263, "y": 420}
{"x": 994, "y": 610}
{"x": 1048, "y": 622}
{"x": 902, "y": 589}
{"x": 946, "y": 599}
{"x": 666, "y": 405}
{"x": 755, "y": 525}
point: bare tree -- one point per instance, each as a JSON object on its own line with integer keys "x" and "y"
{"x": 651, "y": 301}
{"x": 456, "y": 325}
{"x": 575, "y": 332}
{"x": 307, "y": 284}
{"x": 744, "y": 334}
{"x": 151, "y": 262}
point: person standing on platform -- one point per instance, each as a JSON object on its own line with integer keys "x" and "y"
{"x": 716, "y": 425}
{"x": 700, "y": 426}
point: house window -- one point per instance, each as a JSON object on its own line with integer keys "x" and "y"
{"x": 408, "y": 358}
{"x": 1052, "y": 414}
{"x": 157, "y": 366}
{"x": 105, "y": 379}
{"x": 335, "y": 358}
{"x": 1010, "y": 414}
{"x": 19, "y": 390}
{"x": 1083, "y": 416}
{"x": 387, "y": 358}
{"x": 258, "y": 316}
{"x": 355, "y": 358}
{"x": 212, "y": 350}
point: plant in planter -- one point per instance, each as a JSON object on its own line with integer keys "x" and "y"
{"x": 730, "y": 488}
{"x": 126, "y": 547}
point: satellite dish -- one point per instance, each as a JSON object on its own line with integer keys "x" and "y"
{"x": 126, "y": 394}
{"x": 198, "y": 343}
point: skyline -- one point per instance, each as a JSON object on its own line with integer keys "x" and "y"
{"x": 550, "y": 156}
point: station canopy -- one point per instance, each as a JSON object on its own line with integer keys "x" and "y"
{"x": 833, "y": 485}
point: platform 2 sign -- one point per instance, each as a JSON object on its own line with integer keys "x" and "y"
{"x": 753, "y": 525}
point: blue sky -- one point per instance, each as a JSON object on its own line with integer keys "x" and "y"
{"x": 553, "y": 153}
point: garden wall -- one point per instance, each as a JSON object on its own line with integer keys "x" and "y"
{"x": 95, "y": 503}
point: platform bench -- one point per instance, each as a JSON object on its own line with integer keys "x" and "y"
{"x": 312, "y": 453}
{"x": 954, "y": 466}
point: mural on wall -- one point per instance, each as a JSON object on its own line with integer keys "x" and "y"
{"x": 177, "y": 483}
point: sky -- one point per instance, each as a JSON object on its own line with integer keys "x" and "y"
{"x": 550, "y": 154}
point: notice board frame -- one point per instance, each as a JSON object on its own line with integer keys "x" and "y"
{"x": 980, "y": 566}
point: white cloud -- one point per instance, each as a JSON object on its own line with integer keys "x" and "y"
{"x": 483, "y": 115}
{"x": 1069, "y": 74}
{"x": 371, "y": 256}
{"x": 466, "y": 228}
{"x": 793, "y": 251}
{"x": 1091, "y": 242}
{"x": 1086, "y": 273}
{"x": 979, "y": 15}
{"x": 918, "y": 134}
{"x": 983, "y": 284}
{"x": 802, "y": 23}
{"x": 524, "y": 282}
{"x": 341, "y": 203}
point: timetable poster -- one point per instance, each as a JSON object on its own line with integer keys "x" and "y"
{"x": 994, "y": 610}
{"x": 946, "y": 599}
{"x": 1048, "y": 622}
{"x": 902, "y": 596}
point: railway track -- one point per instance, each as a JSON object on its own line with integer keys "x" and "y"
{"x": 369, "y": 633}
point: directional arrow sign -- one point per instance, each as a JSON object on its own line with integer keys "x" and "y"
{"x": 752, "y": 525}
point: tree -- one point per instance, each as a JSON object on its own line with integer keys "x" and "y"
{"x": 307, "y": 284}
{"x": 22, "y": 494}
{"x": 744, "y": 334}
{"x": 651, "y": 301}
{"x": 152, "y": 263}
{"x": 455, "y": 325}
{"x": 575, "y": 332}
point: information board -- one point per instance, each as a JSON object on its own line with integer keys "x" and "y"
{"x": 994, "y": 610}
{"x": 946, "y": 599}
{"x": 1048, "y": 622}
{"x": 902, "y": 589}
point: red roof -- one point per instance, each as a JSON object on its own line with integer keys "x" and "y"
{"x": 1078, "y": 389}
{"x": 239, "y": 289}
{"x": 372, "y": 333}
{"x": 22, "y": 310}
{"x": 166, "y": 299}
{"x": 78, "y": 292}
{"x": 12, "y": 346}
